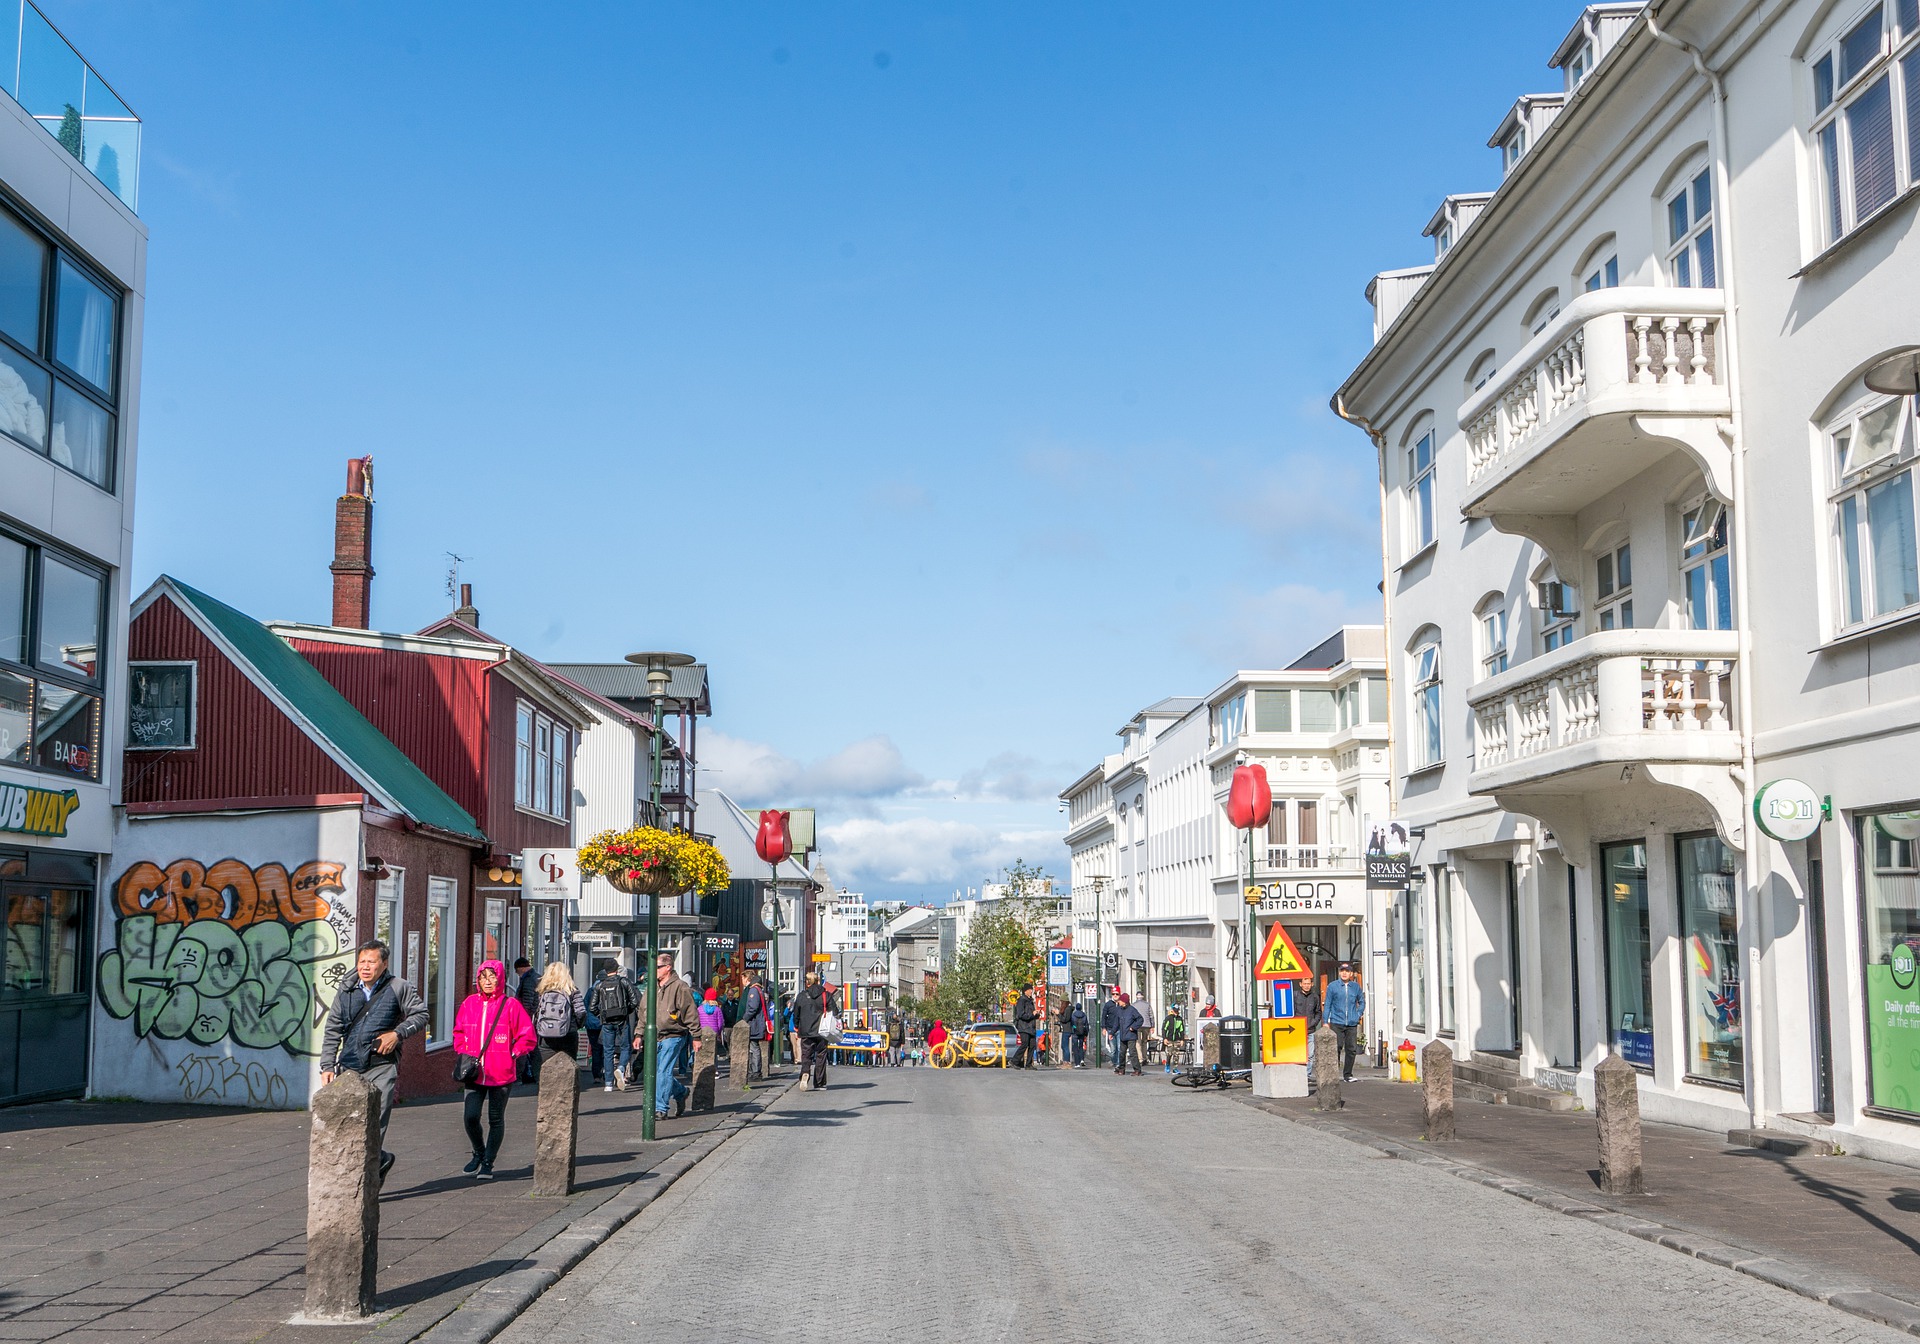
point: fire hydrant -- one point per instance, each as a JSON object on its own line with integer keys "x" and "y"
{"x": 1409, "y": 1072}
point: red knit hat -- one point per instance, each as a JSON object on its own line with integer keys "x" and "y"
{"x": 713, "y": 995}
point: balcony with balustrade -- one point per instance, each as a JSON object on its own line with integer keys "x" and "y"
{"x": 1603, "y": 709}
{"x": 1621, "y": 379}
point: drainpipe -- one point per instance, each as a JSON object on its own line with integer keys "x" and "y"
{"x": 1743, "y": 668}
{"x": 1393, "y": 720}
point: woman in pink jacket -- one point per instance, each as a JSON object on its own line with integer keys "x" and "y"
{"x": 493, "y": 1026}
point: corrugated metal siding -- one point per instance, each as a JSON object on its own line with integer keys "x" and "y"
{"x": 507, "y": 826}
{"x": 245, "y": 747}
{"x": 432, "y": 708}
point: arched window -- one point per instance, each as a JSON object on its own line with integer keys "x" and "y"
{"x": 1419, "y": 506}
{"x": 1557, "y": 606}
{"x": 1495, "y": 652}
{"x": 1599, "y": 266}
{"x": 1482, "y": 369}
{"x": 1542, "y": 311}
{"x": 1423, "y": 677}
{"x": 1866, "y": 76}
{"x": 1691, "y": 263}
{"x": 1870, "y": 447}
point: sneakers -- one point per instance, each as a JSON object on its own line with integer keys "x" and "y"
{"x": 473, "y": 1165}
{"x": 609, "y": 1087}
{"x": 619, "y": 1080}
{"x": 386, "y": 1165}
{"x": 485, "y": 1173}
{"x": 679, "y": 1107}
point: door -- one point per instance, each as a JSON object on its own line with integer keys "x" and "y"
{"x": 1513, "y": 955}
{"x": 44, "y": 990}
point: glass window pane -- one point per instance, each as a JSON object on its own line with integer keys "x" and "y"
{"x": 13, "y": 600}
{"x": 1699, "y": 614}
{"x": 69, "y": 617}
{"x": 66, "y": 731}
{"x": 1822, "y": 83}
{"x": 1416, "y": 960}
{"x": 1878, "y": 436}
{"x": 1423, "y": 454}
{"x": 1870, "y": 134}
{"x": 84, "y": 328}
{"x": 1850, "y": 558}
{"x": 1423, "y": 511}
{"x": 16, "y": 719}
{"x": 1443, "y": 943}
{"x": 1613, "y": 272}
{"x": 1830, "y": 170}
{"x": 1891, "y": 913}
{"x": 1907, "y": 13}
{"x": 1859, "y": 47}
{"x": 1703, "y": 254}
{"x": 66, "y": 910}
{"x": 23, "y": 399}
{"x": 160, "y": 706}
{"x": 1709, "y": 928}
{"x": 1317, "y": 714}
{"x": 1273, "y": 711}
{"x": 82, "y": 436}
{"x": 1623, "y": 563}
{"x": 1376, "y": 699}
{"x": 1910, "y": 76}
{"x": 1683, "y": 269}
{"x": 1677, "y": 218}
{"x": 1703, "y": 195}
{"x": 1605, "y": 567}
{"x": 1722, "y": 592}
{"x": 26, "y": 949}
{"x": 1896, "y": 567}
{"x": 1629, "y": 960}
{"x": 23, "y": 282}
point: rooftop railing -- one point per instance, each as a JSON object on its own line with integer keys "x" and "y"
{"x": 77, "y": 107}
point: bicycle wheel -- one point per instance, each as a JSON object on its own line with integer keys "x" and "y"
{"x": 943, "y": 1055}
{"x": 990, "y": 1050}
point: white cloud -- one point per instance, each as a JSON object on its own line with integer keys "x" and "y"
{"x": 1009, "y": 776}
{"x": 755, "y": 774}
{"x": 926, "y": 850}
{"x": 1271, "y": 629}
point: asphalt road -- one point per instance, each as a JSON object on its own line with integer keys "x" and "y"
{"x": 988, "y": 1205}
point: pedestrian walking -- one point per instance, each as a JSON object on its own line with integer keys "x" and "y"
{"x": 936, "y": 1037}
{"x": 494, "y": 1030}
{"x": 1345, "y": 1007}
{"x": 713, "y": 1017}
{"x": 810, "y": 1010}
{"x": 613, "y": 1001}
{"x": 1173, "y": 1034}
{"x": 1306, "y": 1004}
{"x": 559, "y": 1008}
{"x": 526, "y": 989}
{"x": 786, "y": 1025}
{"x": 673, "y": 1020}
{"x": 1063, "y": 1030}
{"x": 1027, "y": 1023}
{"x": 1128, "y": 1024}
{"x": 1081, "y": 1025}
{"x": 364, "y": 1028}
{"x": 753, "y": 1011}
{"x": 1109, "y": 1018}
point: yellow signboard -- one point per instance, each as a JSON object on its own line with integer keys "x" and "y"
{"x": 1283, "y": 1040}
{"x": 823, "y": 956}
{"x": 30, "y": 811}
{"x": 1280, "y": 959}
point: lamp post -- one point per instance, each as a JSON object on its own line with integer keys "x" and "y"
{"x": 1099, "y": 963}
{"x": 1250, "y": 805}
{"x": 659, "y": 673}
{"x": 774, "y": 842}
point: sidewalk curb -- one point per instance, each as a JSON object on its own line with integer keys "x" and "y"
{"x": 1855, "y": 1296}
{"x": 497, "y": 1303}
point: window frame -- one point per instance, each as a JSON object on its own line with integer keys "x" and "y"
{"x": 1612, "y": 597}
{"x": 1856, "y": 603}
{"x": 1426, "y": 682}
{"x": 1830, "y": 132}
{"x": 30, "y": 669}
{"x": 442, "y": 994}
{"x": 193, "y": 702}
{"x": 1494, "y": 649}
{"x": 1606, "y": 275}
{"x": 536, "y": 772}
{"x": 1683, "y": 254}
{"x": 1423, "y": 524}
{"x": 1714, "y": 559}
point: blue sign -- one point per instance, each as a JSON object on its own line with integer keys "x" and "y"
{"x": 1283, "y": 998}
{"x": 1636, "y": 1047}
{"x": 1057, "y": 958}
{"x": 861, "y": 1040}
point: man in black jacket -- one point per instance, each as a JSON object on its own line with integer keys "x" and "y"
{"x": 1026, "y": 1022}
{"x": 1128, "y": 1025}
{"x": 364, "y": 1028}
{"x": 613, "y": 1001}
{"x": 1080, "y": 1026}
{"x": 1109, "y": 1018}
{"x": 813, "y": 1004}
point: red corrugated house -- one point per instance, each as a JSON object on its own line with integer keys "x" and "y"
{"x": 269, "y": 828}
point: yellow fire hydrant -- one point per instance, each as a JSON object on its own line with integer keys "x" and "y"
{"x": 1409, "y": 1070}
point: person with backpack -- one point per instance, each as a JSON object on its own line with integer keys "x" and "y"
{"x": 753, "y": 1011}
{"x": 1080, "y": 1024}
{"x": 558, "y": 1011}
{"x": 613, "y": 1003}
{"x": 1173, "y": 1036}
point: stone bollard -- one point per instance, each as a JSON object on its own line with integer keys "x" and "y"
{"x": 1210, "y": 1042}
{"x": 343, "y": 1200}
{"x": 1436, "y": 1091}
{"x": 1616, "y": 1096}
{"x": 556, "y": 1127}
{"x": 1326, "y": 1070}
{"x": 706, "y": 1064}
{"x": 739, "y": 1051}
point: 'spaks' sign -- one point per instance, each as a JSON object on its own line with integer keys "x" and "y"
{"x": 30, "y": 811}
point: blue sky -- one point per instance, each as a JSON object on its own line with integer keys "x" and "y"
{"x": 951, "y": 378}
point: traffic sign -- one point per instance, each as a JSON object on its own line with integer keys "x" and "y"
{"x": 1283, "y": 1040}
{"x": 1112, "y": 960}
{"x": 1057, "y": 973}
{"x": 1280, "y": 959}
{"x": 1176, "y": 955}
{"x": 1283, "y": 998}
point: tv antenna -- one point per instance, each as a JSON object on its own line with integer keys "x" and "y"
{"x": 453, "y": 575}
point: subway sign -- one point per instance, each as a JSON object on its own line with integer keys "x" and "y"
{"x": 29, "y": 811}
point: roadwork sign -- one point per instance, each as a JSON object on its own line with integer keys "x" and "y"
{"x": 1283, "y": 1040}
{"x": 1280, "y": 959}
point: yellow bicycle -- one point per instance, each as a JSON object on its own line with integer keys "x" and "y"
{"x": 982, "y": 1048}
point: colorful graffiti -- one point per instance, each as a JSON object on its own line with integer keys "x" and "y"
{"x": 251, "y": 955}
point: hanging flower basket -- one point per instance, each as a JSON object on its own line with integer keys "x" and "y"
{"x": 647, "y": 861}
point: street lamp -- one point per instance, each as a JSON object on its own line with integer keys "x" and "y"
{"x": 774, "y": 843}
{"x": 659, "y": 673}
{"x": 1099, "y": 961}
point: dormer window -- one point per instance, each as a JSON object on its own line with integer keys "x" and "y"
{"x": 1578, "y": 65}
{"x": 1443, "y": 241}
{"x": 1512, "y": 148}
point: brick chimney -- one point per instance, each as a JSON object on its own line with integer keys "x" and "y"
{"x": 466, "y": 611}
{"x": 353, "y": 548}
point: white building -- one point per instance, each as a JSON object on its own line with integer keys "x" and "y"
{"x": 1650, "y": 552}
{"x": 844, "y": 922}
{"x": 73, "y": 258}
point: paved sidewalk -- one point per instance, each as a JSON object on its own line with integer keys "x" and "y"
{"x": 188, "y": 1223}
{"x": 1844, "y": 1218}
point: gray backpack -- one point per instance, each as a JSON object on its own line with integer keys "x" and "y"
{"x": 555, "y": 1017}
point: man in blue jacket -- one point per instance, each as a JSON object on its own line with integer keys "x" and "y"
{"x": 1128, "y": 1024}
{"x": 1346, "y": 1005}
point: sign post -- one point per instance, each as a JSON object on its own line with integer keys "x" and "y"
{"x": 1057, "y": 973}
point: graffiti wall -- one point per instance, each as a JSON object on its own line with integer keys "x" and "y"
{"x": 223, "y": 942}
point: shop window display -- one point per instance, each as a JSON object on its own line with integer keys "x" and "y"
{"x": 1629, "y": 961}
{"x": 1890, "y": 908}
{"x": 1709, "y": 926}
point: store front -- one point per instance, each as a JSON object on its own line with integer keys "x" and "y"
{"x": 48, "y": 896}
{"x": 1890, "y": 937}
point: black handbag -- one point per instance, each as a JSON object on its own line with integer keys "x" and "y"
{"x": 466, "y": 1068}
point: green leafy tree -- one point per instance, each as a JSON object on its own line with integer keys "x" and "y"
{"x": 1005, "y": 952}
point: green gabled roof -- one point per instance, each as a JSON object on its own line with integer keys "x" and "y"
{"x": 340, "y": 729}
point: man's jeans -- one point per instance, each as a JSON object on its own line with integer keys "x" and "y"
{"x": 1023, "y": 1057}
{"x": 616, "y": 1044}
{"x": 668, "y": 1086}
{"x": 1128, "y": 1051}
{"x": 383, "y": 1077}
{"x": 755, "y": 1049}
{"x": 1079, "y": 1047}
{"x": 1345, "y": 1035}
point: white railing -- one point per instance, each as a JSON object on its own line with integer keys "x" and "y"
{"x": 1648, "y": 685}
{"x": 1293, "y": 858}
{"x": 1634, "y": 349}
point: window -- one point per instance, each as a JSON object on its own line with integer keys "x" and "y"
{"x": 160, "y": 715}
{"x": 59, "y": 354}
{"x": 1544, "y": 310}
{"x": 1712, "y": 959}
{"x": 442, "y": 916}
{"x": 1579, "y": 64}
{"x": 1412, "y": 911}
{"x": 493, "y": 942}
{"x": 1420, "y": 529}
{"x": 1873, "y": 511}
{"x": 1690, "y": 261}
{"x": 1512, "y": 148}
{"x": 52, "y": 610}
{"x": 540, "y": 756}
{"x": 1272, "y": 711}
{"x": 388, "y": 914}
{"x": 1443, "y": 943}
{"x": 1704, "y": 570}
{"x": 1606, "y": 276}
{"x": 1493, "y": 641}
{"x": 1890, "y": 919}
{"x": 1863, "y": 83}
{"x": 1349, "y": 703}
{"x": 1443, "y": 240}
{"x": 1614, "y": 590}
{"x": 1426, "y": 704}
{"x": 1559, "y": 612}
{"x": 1317, "y": 711}
{"x": 1623, "y": 870}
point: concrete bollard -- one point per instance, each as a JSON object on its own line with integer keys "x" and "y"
{"x": 1616, "y": 1096}
{"x": 739, "y": 1048}
{"x": 1209, "y": 1043}
{"x": 1436, "y": 1091}
{"x": 556, "y": 1127}
{"x": 343, "y": 1200}
{"x": 706, "y": 1066}
{"x": 1326, "y": 1070}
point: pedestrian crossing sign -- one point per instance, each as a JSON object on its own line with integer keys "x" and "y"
{"x": 1280, "y": 959}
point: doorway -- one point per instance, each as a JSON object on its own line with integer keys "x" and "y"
{"x": 1513, "y": 955}
{"x": 44, "y": 990}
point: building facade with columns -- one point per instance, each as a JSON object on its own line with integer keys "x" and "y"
{"x": 1646, "y": 433}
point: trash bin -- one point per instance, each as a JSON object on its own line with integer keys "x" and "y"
{"x": 1236, "y": 1044}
